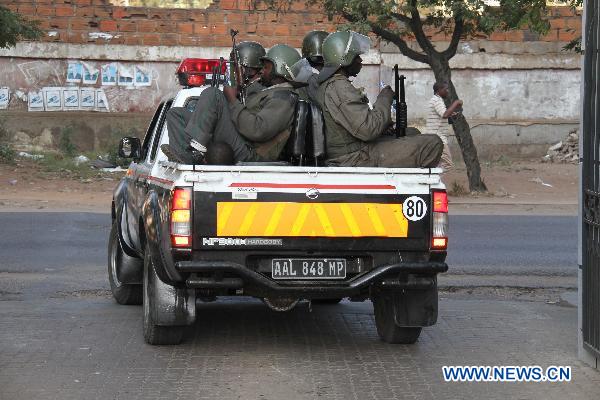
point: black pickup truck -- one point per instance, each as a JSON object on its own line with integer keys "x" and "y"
{"x": 281, "y": 232}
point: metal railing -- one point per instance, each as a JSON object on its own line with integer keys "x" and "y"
{"x": 591, "y": 182}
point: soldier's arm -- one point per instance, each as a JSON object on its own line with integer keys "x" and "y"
{"x": 354, "y": 114}
{"x": 254, "y": 88}
{"x": 275, "y": 116}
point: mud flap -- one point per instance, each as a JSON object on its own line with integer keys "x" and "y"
{"x": 157, "y": 230}
{"x": 411, "y": 307}
{"x": 171, "y": 306}
{"x": 130, "y": 270}
{"x": 416, "y": 307}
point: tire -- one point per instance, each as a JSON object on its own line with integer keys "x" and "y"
{"x": 327, "y": 301}
{"x": 126, "y": 294}
{"x": 155, "y": 334}
{"x": 385, "y": 320}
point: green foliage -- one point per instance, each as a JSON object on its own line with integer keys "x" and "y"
{"x": 398, "y": 20}
{"x": 65, "y": 144}
{"x": 575, "y": 44}
{"x": 7, "y": 154}
{"x": 65, "y": 166}
{"x": 13, "y": 27}
{"x": 4, "y": 134}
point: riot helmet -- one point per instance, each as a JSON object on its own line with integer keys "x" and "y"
{"x": 340, "y": 49}
{"x": 312, "y": 46}
{"x": 283, "y": 58}
{"x": 250, "y": 54}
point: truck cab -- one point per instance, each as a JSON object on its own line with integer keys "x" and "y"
{"x": 283, "y": 232}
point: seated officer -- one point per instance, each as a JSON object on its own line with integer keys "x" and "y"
{"x": 256, "y": 131}
{"x": 250, "y": 54}
{"x": 354, "y": 131}
{"x": 312, "y": 52}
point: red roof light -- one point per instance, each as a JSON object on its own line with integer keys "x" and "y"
{"x": 195, "y": 71}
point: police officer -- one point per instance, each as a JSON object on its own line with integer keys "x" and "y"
{"x": 312, "y": 52}
{"x": 250, "y": 54}
{"x": 256, "y": 131}
{"x": 354, "y": 131}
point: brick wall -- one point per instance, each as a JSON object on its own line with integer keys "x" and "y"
{"x": 72, "y": 21}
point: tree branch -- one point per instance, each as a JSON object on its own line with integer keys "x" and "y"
{"x": 400, "y": 43}
{"x": 391, "y": 37}
{"x": 401, "y": 17}
{"x": 417, "y": 27}
{"x": 459, "y": 25}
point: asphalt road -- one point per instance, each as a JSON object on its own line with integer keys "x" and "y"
{"x": 488, "y": 245}
{"x": 62, "y": 336}
{"x": 519, "y": 245}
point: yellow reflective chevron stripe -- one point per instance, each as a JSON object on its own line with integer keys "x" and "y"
{"x": 281, "y": 219}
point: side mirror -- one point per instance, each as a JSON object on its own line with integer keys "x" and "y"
{"x": 130, "y": 147}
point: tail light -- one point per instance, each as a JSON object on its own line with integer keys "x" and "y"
{"x": 439, "y": 232}
{"x": 196, "y": 71}
{"x": 181, "y": 218}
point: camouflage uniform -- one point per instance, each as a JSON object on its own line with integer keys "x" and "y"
{"x": 354, "y": 130}
{"x": 254, "y": 87}
{"x": 254, "y": 130}
{"x": 309, "y": 93}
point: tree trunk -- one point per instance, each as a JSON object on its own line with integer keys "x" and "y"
{"x": 442, "y": 73}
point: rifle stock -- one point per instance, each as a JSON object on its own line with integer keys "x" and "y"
{"x": 239, "y": 73}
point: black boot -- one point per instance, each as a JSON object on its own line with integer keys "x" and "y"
{"x": 171, "y": 154}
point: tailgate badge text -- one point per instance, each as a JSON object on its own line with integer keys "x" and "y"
{"x": 241, "y": 242}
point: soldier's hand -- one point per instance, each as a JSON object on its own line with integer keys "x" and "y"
{"x": 231, "y": 93}
{"x": 390, "y": 131}
{"x": 386, "y": 92}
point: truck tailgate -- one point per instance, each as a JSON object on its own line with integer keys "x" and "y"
{"x": 317, "y": 210}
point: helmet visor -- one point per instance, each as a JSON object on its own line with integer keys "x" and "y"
{"x": 357, "y": 44}
{"x": 302, "y": 70}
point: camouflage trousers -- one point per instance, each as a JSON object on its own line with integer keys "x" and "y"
{"x": 209, "y": 121}
{"x": 418, "y": 151}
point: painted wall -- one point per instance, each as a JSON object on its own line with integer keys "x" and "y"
{"x": 24, "y": 75}
{"x": 519, "y": 88}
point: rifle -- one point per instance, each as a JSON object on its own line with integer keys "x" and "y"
{"x": 401, "y": 109}
{"x": 217, "y": 75}
{"x": 239, "y": 73}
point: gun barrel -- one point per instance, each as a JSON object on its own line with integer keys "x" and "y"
{"x": 401, "y": 109}
{"x": 238, "y": 68}
{"x": 396, "y": 100}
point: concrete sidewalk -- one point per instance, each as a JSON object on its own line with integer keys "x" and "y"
{"x": 82, "y": 345}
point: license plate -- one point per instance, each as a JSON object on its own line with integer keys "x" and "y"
{"x": 308, "y": 268}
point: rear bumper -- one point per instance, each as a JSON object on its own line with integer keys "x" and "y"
{"x": 415, "y": 276}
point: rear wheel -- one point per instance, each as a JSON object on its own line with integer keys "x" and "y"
{"x": 155, "y": 334}
{"x": 385, "y": 320}
{"x": 123, "y": 293}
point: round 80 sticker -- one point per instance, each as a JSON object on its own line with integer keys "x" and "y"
{"x": 414, "y": 208}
